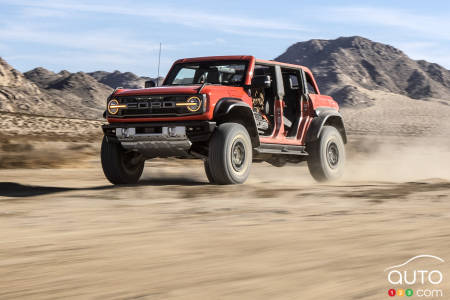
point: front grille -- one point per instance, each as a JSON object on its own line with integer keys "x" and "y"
{"x": 155, "y": 106}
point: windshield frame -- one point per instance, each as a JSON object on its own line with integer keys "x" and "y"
{"x": 178, "y": 66}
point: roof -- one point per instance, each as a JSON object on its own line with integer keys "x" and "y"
{"x": 209, "y": 58}
{"x": 242, "y": 57}
{"x": 273, "y": 62}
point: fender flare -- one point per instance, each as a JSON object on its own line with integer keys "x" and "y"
{"x": 325, "y": 116}
{"x": 225, "y": 105}
{"x": 229, "y": 108}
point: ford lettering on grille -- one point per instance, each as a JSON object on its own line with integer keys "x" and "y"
{"x": 154, "y": 106}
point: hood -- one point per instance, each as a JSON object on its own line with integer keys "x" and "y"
{"x": 182, "y": 90}
{"x": 163, "y": 90}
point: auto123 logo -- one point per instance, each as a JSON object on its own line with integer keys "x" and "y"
{"x": 419, "y": 276}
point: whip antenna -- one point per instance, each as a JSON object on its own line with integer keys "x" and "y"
{"x": 159, "y": 63}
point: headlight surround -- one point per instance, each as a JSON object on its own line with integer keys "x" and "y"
{"x": 193, "y": 104}
{"x": 113, "y": 106}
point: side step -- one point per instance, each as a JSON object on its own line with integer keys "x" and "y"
{"x": 281, "y": 149}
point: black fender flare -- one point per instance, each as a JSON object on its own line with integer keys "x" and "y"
{"x": 235, "y": 109}
{"x": 225, "y": 105}
{"x": 326, "y": 116}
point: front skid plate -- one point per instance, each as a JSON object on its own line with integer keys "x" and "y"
{"x": 152, "y": 149}
{"x": 171, "y": 141}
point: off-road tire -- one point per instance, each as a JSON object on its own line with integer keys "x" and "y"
{"x": 230, "y": 154}
{"x": 119, "y": 165}
{"x": 208, "y": 172}
{"x": 326, "y": 159}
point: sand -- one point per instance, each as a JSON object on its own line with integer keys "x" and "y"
{"x": 69, "y": 234}
{"x": 66, "y": 233}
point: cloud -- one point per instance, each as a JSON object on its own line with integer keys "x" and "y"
{"x": 93, "y": 41}
{"x": 429, "y": 51}
{"x": 140, "y": 65}
{"x": 44, "y": 12}
{"x": 191, "y": 18}
{"x": 4, "y": 47}
{"x": 427, "y": 26}
{"x": 269, "y": 34}
{"x": 104, "y": 41}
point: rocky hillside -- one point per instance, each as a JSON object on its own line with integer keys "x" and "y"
{"x": 71, "y": 95}
{"x": 18, "y": 94}
{"x": 126, "y": 80}
{"x": 43, "y": 92}
{"x": 78, "y": 90}
{"x": 347, "y": 66}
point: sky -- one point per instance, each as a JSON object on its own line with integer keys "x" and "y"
{"x": 78, "y": 35}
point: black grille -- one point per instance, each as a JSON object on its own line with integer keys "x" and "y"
{"x": 155, "y": 106}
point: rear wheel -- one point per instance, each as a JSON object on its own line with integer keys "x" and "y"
{"x": 326, "y": 159}
{"x": 120, "y": 165}
{"x": 230, "y": 154}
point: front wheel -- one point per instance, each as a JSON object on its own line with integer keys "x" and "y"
{"x": 326, "y": 159}
{"x": 120, "y": 165}
{"x": 230, "y": 154}
{"x": 208, "y": 172}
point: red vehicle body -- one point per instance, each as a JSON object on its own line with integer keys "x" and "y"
{"x": 287, "y": 126}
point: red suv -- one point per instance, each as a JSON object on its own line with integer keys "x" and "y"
{"x": 228, "y": 111}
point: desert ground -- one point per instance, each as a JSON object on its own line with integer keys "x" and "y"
{"x": 66, "y": 233}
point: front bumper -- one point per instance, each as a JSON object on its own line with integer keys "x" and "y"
{"x": 163, "y": 139}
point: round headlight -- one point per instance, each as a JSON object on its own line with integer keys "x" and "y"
{"x": 194, "y": 103}
{"x": 113, "y": 107}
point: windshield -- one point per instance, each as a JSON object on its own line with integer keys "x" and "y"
{"x": 211, "y": 72}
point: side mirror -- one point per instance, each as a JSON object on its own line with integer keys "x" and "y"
{"x": 262, "y": 81}
{"x": 150, "y": 84}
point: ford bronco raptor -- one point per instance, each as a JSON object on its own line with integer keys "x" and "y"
{"x": 229, "y": 111}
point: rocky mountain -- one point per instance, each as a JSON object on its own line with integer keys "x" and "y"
{"x": 82, "y": 91}
{"x": 72, "y": 95}
{"x": 126, "y": 80}
{"x": 43, "y": 92}
{"x": 18, "y": 94}
{"x": 347, "y": 66}
{"x": 75, "y": 95}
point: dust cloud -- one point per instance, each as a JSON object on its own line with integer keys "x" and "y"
{"x": 397, "y": 158}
